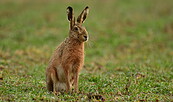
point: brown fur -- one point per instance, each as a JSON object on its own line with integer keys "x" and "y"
{"x": 68, "y": 58}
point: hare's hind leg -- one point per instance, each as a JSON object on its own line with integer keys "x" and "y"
{"x": 49, "y": 84}
{"x": 55, "y": 81}
{"x": 52, "y": 80}
{"x": 49, "y": 80}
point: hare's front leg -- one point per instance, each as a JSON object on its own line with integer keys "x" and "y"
{"x": 76, "y": 78}
{"x": 67, "y": 80}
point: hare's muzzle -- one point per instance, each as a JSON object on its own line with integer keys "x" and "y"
{"x": 85, "y": 38}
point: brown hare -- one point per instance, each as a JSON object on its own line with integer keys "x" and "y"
{"x": 68, "y": 59}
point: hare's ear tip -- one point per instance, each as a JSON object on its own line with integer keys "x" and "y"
{"x": 69, "y": 7}
{"x": 86, "y": 7}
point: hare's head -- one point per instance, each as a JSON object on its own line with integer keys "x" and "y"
{"x": 77, "y": 31}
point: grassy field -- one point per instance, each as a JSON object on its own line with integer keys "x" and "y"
{"x": 129, "y": 56}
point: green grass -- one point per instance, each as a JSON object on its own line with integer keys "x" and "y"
{"x": 129, "y": 56}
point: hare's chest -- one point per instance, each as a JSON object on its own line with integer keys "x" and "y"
{"x": 74, "y": 61}
{"x": 73, "y": 55}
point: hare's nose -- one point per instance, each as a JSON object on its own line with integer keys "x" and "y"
{"x": 85, "y": 37}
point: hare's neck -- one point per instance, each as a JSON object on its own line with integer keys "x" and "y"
{"x": 74, "y": 43}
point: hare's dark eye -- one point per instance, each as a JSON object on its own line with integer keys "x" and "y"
{"x": 76, "y": 29}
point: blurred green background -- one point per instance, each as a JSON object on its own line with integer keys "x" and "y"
{"x": 129, "y": 56}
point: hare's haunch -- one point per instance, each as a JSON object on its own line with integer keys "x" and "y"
{"x": 65, "y": 64}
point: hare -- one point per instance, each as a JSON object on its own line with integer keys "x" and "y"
{"x": 64, "y": 66}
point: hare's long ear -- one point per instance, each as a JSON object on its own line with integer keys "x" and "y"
{"x": 71, "y": 17}
{"x": 83, "y": 15}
